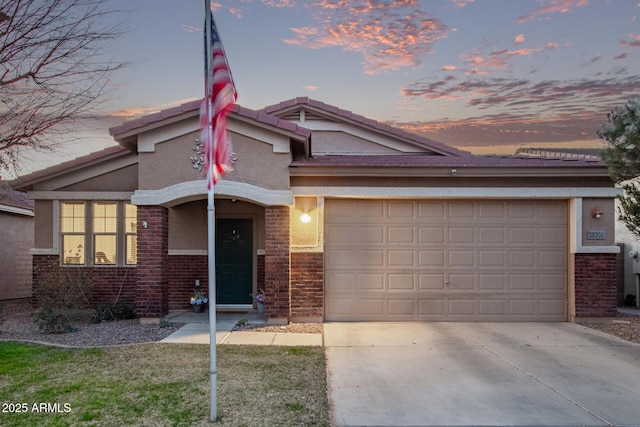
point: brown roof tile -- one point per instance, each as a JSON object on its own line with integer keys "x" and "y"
{"x": 417, "y": 160}
{"x": 194, "y": 106}
{"x": 348, "y": 115}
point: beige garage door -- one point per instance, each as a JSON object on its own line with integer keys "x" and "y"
{"x": 463, "y": 260}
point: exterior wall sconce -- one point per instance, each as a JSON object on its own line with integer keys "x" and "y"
{"x": 305, "y": 218}
{"x": 145, "y": 224}
{"x": 596, "y": 212}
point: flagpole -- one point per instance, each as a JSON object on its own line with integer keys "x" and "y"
{"x": 211, "y": 215}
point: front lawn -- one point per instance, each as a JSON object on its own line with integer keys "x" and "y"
{"x": 161, "y": 385}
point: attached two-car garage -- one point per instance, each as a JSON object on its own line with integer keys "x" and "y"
{"x": 445, "y": 260}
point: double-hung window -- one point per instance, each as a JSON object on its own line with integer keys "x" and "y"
{"x": 100, "y": 233}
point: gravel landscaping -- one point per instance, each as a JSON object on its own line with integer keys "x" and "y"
{"x": 16, "y": 323}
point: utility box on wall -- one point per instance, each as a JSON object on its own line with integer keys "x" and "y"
{"x": 634, "y": 256}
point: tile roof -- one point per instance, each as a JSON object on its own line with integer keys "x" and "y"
{"x": 417, "y": 160}
{"x": 379, "y": 126}
{"x": 25, "y": 180}
{"x": 18, "y": 199}
{"x": 194, "y": 106}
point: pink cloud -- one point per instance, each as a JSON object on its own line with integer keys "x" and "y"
{"x": 553, "y": 6}
{"x": 449, "y": 67}
{"x": 634, "y": 42}
{"x": 459, "y": 4}
{"x": 388, "y": 34}
{"x": 519, "y": 38}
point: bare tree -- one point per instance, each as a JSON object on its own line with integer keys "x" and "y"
{"x": 52, "y": 69}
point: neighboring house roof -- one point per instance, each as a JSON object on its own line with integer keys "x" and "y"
{"x": 193, "y": 108}
{"x": 14, "y": 201}
{"x": 585, "y": 153}
{"x": 290, "y": 109}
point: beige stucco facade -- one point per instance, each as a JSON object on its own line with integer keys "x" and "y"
{"x": 295, "y": 161}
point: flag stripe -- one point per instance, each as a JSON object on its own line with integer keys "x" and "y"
{"x": 220, "y": 97}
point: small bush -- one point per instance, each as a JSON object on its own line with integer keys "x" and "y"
{"x": 106, "y": 312}
{"x": 52, "y": 321}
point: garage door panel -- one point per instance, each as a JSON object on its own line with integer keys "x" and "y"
{"x": 401, "y": 258}
{"x": 523, "y": 307}
{"x": 552, "y": 259}
{"x": 432, "y": 210}
{"x": 340, "y": 258}
{"x": 522, "y": 258}
{"x": 491, "y": 307}
{"x": 460, "y": 260}
{"x": 552, "y": 235}
{"x": 371, "y": 258}
{"x": 341, "y": 235}
{"x": 523, "y": 281}
{"x": 401, "y": 307}
{"x": 432, "y": 259}
{"x": 553, "y": 282}
{"x": 336, "y": 281}
{"x": 492, "y": 259}
{"x": 461, "y": 209}
{"x": 464, "y": 235}
{"x": 431, "y": 235}
{"x": 462, "y": 282}
{"x": 492, "y": 281}
{"x": 401, "y": 210}
{"x": 431, "y": 281}
{"x": 402, "y": 282}
{"x": 370, "y": 281}
{"x": 431, "y": 307}
{"x": 491, "y": 235}
{"x": 370, "y": 306}
{"x": 522, "y": 235}
{"x": 462, "y": 307}
{"x": 369, "y": 234}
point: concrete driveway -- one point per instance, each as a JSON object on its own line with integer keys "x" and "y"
{"x": 480, "y": 374}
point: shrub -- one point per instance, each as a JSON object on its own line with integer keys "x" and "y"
{"x": 113, "y": 311}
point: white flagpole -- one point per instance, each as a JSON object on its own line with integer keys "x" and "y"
{"x": 211, "y": 217}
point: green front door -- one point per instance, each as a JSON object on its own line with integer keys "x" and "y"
{"x": 234, "y": 261}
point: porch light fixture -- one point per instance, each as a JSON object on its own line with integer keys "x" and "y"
{"x": 596, "y": 212}
{"x": 305, "y": 218}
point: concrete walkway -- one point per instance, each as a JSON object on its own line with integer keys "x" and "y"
{"x": 196, "y": 331}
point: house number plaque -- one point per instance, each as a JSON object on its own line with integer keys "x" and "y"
{"x": 596, "y": 235}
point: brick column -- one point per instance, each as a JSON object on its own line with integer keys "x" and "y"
{"x": 307, "y": 286}
{"x": 595, "y": 285}
{"x": 277, "y": 263}
{"x": 152, "y": 285}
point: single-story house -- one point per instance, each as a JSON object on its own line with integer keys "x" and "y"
{"x": 16, "y": 237}
{"x": 336, "y": 216}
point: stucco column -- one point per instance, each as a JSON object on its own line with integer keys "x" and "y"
{"x": 152, "y": 285}
{"x": 277, "y": 263}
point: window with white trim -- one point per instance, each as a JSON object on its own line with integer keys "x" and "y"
{"x": 72, "y": 228}
{"x": 100, "y": 233}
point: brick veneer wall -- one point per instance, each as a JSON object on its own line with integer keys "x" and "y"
{"x": 595, "y": 285}
{"x": 307, "y": 281}
{"x": 277, "y": 262}
{"x": 108, "y": 284}
{"x": 183, "y": 272}
{"x": 152, "y": 290}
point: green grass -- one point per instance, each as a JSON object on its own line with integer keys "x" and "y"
{"x": 162, "y": 385}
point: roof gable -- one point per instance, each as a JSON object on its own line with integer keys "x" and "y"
{"x": 319, "y": 117}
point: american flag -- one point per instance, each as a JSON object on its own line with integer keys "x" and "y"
{"x": 220, "y": 97}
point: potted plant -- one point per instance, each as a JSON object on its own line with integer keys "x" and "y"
{"x": 198, "y": 301}
{"x": 260, "y": 300}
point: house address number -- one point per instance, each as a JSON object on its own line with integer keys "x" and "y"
{"x": 596, "y": 235}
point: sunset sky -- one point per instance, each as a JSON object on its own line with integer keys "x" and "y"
{"x": 486, "y": 75}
